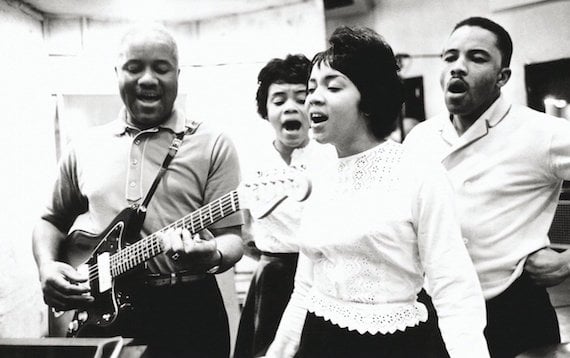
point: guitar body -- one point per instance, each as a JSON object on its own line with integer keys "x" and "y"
{"x": 83, "y": 248}
{"x": 115, "y": 254}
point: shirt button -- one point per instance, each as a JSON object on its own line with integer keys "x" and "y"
{"x": 134, "y": 162}
{"x": 132, "y": 184}
{"x": 137, "y": 141}
{"x": 465, "y": 241}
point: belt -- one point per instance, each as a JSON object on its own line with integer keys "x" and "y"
{"x": 174, "y": 278}
{"x": 280, "y": 254}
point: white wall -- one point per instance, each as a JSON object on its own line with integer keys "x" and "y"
{"x": 540, "y": 32}
{"x": 220, "y": 59}
{"x": 27, "y": 159}
{"x": 230, "y": 53}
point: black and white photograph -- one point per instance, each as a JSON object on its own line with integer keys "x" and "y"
{"x": 285, "y": 178}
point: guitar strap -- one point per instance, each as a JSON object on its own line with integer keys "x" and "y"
{"x": 174, "y": 146}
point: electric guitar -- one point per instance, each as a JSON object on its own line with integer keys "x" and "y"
{"x": 118, "y": 250}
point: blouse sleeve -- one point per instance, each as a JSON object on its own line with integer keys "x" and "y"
{"x": 286, "y": 341}
{"x": 451, "y": 278}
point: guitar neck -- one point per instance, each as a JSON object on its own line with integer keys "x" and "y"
{"x": 151, "y": 246}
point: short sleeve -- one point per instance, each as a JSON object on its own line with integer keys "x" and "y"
{"x": 66, "y": 202}
{"x": 223, "y": 177}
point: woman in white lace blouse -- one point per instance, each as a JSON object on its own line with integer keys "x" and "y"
{"x": 376, "y": 227}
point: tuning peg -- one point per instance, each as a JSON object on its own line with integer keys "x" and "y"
{"x": 73, "y": 326}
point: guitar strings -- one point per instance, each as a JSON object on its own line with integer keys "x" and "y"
{"x": 125, "y": 259}
{"x": 119, "y": 265}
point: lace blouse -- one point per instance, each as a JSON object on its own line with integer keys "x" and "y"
{"x": 368, "y": 238}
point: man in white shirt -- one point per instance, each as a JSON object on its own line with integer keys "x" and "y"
{"x": 506, "y": 164}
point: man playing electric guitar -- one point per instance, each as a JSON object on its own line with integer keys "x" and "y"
{"x": 175, "y": 304}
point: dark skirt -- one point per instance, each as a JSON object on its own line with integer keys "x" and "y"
{"x": 184, "y": 320}
{"x": 519, "y": 319}
{"x": 323, "y": 339}
{"x": 268, "y": 295}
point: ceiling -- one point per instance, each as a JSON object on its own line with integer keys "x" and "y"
{"x": 159, "y": 10}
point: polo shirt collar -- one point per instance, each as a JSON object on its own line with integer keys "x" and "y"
{"x": 175, "y": 123}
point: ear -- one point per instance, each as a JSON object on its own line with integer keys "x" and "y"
{"x": 503, "y": 76}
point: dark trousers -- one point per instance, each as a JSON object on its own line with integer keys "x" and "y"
{"x": 322, "y": 339}
{"x": 184, "y": 320}
{"x": 268, "y": 295}
{"x": 519, "y": 319}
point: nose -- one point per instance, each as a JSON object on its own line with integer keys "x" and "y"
{"x": 314, "y": 98}
{"x": 291, "y": 106}
{"x": 148, "y": 78}
{"x": 458, "y": 67}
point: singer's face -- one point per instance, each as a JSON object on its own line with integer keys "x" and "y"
{"x": 286, "y": 114}
{"x": 147, "y": 73}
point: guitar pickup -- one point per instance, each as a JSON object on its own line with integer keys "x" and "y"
{"x": 104, "y": 271}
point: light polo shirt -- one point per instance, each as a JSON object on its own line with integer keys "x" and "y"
{"x": 111, "y": 167}
{"x": 507, "y": 170}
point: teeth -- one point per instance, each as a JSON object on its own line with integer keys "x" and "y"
{"x": 148, "y": 95}
{"x": 318, "y": 117}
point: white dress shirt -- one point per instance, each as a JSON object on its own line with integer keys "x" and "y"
{"x": 507, "y": 170}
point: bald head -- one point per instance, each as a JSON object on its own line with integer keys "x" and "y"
{"x": 147, "y": 72}
{"x": 148, "y": 33}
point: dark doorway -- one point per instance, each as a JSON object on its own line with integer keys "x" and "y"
{"x": 414, "y": 98}
{"x": 413, "y": 110}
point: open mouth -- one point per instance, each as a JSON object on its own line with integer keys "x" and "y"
{"x": 148, "y": 96}
{"x": 292, "y": 125}
{"x": 456, "y": 86}
{"x": 318, "y": 117}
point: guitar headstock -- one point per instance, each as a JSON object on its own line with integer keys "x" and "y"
{"x": 263, "y": 194}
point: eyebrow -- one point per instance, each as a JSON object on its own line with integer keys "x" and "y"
{"x": 283, "y": 93}
{"x": 329, "y": 77}
{"x": 475, "y": 50}
{"x": 479, "y": 51}
{"x": 276, "y": 94}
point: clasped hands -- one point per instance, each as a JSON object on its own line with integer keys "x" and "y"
{"x": 547, "y": 267}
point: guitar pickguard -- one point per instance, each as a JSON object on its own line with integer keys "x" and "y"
{"x": 84, "y": 248}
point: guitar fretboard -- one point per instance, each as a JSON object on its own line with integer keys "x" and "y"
{"x": 150, "y": 246}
